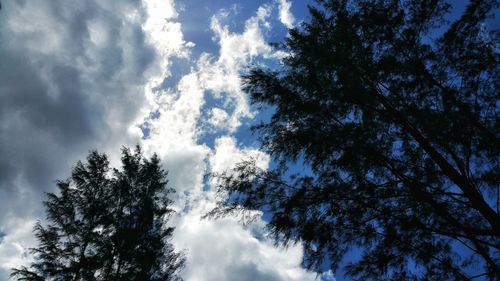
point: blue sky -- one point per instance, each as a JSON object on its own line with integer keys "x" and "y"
{"x": 99, "y": 74}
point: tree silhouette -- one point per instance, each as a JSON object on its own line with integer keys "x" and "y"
{"x": 107, "y": 225}
{"x": 395, "y": 110}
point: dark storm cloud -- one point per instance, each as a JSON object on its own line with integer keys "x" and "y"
{"x": 72, "y": 78}
{"x": 63, "y": 65}
{"x": 46, "y": 97}
{"x": 26, "y": 100}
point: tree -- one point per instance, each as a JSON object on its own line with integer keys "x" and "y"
{"x": 107, "y": 225}
{"x": 395, "y": 110}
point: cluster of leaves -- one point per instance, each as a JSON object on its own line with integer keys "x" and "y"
{"x": 107, "y": 225}
{"x": 396, "y": 112}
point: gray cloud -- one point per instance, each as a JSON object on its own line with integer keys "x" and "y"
{"x": 72, "y": 75}
{"x": 78, "y": 75}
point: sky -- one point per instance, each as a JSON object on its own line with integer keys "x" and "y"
{"x": 164, "y": 74}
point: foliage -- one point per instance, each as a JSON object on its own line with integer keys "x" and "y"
{"x": 107, "y": 224}
{"x": 396, "y": 112}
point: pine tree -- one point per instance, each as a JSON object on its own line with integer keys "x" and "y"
{"x": 107, "y": 225}
{"x": 395, "y": 110}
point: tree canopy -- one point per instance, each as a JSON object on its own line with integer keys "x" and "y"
{"x": 394, "y": 107}
{"x": 107, "y": 224}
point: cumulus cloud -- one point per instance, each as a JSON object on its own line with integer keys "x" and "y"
{"x": 225, "y": 250}
{"x": 227, "y": 154}
{"x": 72, "y": 78}
{"x": 286, "y": 16}
{"x": 219, "y": 118}
{"x": 173, "y": 134}
{"x": 221, "y": 75}
{"x": 176, "y": 128}
{"x": 90, "y": 74}
{"x": 216, "y": 249}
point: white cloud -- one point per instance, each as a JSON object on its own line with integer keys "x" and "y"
{"x": 328, "y": 276}
{"x": 176, "y": 130}
{"x": 227, "y": 154}
{"x": 286, "y": 16}
{"x": 13, "y": 247}
{"x": 84, "y": 75}
{"x": 72, "y": 78}
{"x": 216, "y": 249}
{"x": 218, "y": 118}
{"x": 221, "y": 75}
{"x": 224, "y": 250}
{"x": 173, "y": 135}
{"x": 164, "y": 34}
